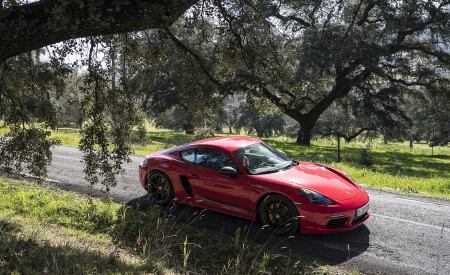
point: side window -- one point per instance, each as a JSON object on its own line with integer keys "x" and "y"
{"x": 188, "y": 156}
{"x": 213, "y": 159}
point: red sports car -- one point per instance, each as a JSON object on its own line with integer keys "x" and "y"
{"x": 244, "y": 177}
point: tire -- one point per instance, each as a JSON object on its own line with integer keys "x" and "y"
{"x": 279, "y": 214}
{"x": 159, "y": 188}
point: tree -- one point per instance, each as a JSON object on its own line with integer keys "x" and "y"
{"x": 303, "y": 56}
{"x": 432, "y": 119}
{"x": 68, "y": 105}
{"x": 23, "y": 23}
{"x": 176, "y": 86}
{"x": 261, "y": 118}
{"x": 379, "y": 111}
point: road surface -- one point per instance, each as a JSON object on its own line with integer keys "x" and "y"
{"x": 405, "y": 235}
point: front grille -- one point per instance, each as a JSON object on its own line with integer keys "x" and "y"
{"x": 336, "y": 223}
{"x": 357, "y": 219}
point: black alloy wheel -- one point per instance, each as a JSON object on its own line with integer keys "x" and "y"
{"x": 279, "y": 214}
{"x": 159, "y": 188}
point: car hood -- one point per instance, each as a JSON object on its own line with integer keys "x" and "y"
{"x": 328, "y": 181}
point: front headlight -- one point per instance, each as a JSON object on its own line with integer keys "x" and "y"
{"x": 144, "y": 162}
{"x": 348, "y": 176}
{"x": 315, "y": 197}
{"x": 354, "y": 182}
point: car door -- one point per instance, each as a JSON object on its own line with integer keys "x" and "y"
{"x": 211, "y": 187}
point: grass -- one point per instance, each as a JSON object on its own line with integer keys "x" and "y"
{"x": 60, "y": 232}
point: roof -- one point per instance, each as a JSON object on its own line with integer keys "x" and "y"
{"x": 229, "y": 143}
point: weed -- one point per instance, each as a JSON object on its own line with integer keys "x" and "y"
{"x": 186, "y": 254}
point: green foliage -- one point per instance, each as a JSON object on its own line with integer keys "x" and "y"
{"x": 361, "y": 60}
{"x": 365, "y": 158}
{"x": 262, "y": 117}
{"x": 203, "y": 134}
{"x": 140, "y": 135}
{"x": 26, "y": 147}
{"x": 27, "y": 88}
{"x": 109, "y": 110}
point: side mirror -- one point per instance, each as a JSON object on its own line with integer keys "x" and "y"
{"x": 227, "y": 170}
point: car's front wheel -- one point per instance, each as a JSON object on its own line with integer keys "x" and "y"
{"x": 279, "y": 214}
{"x": 159, "y": 188}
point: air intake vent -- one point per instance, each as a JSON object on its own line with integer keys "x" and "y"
{"x": 336, "y": 223}
{"x": 186, "y": 186}
{"x": 357, "y": 219}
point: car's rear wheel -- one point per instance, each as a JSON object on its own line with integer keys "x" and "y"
{"x": 279, "y": 214}
{"x": 159, "y": 188}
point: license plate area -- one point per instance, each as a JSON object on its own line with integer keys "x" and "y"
{"x": 362, "y": 210}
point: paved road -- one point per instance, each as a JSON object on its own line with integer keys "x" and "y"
{"x": 405, "y": 235}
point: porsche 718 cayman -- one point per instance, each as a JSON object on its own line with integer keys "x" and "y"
{"x": 244, "y": 177}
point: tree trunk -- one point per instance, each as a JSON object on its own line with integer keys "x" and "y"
{"x": 307, "y": 123}
{"x": 305, "y": 134}
{"x": 189, "y": 128}
{"x": 339, "y": 147}
{"x": 80, "y": 122}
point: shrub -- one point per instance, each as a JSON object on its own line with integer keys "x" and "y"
{"x": 204, "y": 133}
{"x": 365, "y": 158}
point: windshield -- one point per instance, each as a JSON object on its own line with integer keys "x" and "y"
{"x": 260, "y": 158}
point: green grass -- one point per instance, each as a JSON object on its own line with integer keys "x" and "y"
{"x": 67, "y": 136}
{"x": 60, "y": 232}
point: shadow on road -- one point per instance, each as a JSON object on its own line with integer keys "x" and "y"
{"x": 330, "y": 249}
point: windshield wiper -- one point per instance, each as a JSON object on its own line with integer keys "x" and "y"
{"x": 291, "y": 164}
{"x": 279, "y": 168}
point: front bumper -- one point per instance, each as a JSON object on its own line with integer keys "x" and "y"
{"x": 334, "y": 218}
{"x": 336, "y": 223}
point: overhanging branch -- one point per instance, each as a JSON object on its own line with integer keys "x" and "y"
{"x": 30, "y": 26}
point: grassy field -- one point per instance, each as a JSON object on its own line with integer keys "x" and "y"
{"x": 421, "y": 170}
{"x": 56, "y": 232}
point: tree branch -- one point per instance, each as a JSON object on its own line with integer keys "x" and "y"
{"x": 37, "y": 24}
{"x": 368, "y": 8}
{"x": 284, "y": 19}
{"x": 197, "y": 58}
